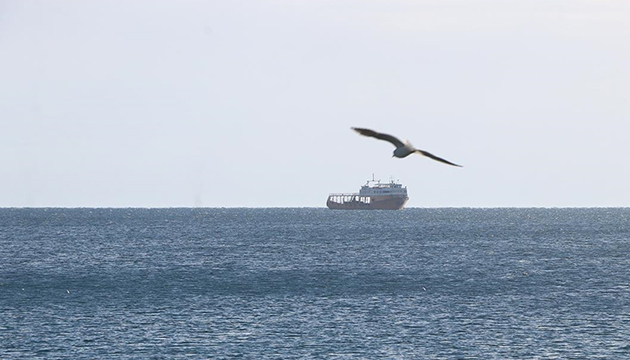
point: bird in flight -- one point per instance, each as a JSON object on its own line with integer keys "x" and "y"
{"x": 402, "y": 149}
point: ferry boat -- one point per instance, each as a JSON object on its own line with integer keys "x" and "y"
{"x": 374, "y": 195}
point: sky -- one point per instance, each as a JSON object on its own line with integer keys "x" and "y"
{"x": 234, "y": 103}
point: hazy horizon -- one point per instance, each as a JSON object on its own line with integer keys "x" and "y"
{"x": 159, "y": 104}
{"x": 306, "y": 207}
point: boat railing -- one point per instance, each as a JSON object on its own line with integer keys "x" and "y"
{"x": 343, "y": 194}
{"x": 349, "y": 198}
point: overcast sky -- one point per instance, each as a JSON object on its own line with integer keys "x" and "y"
{"x": 225, "y": 103}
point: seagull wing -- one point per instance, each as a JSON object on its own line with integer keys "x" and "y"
{"x": 429, "y": 155}
{"x": 371, "y": 133}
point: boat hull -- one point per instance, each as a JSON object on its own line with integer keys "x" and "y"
{"x": 387, "y": 203}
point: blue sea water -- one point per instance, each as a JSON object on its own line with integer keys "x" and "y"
{"x": 314, "y": 284}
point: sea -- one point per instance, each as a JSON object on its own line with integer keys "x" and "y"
{"x": 313, "y": 283}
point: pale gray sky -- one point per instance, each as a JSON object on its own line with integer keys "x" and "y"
{"x": 159, "y": 103}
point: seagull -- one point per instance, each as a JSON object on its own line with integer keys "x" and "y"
{"x": 402, "y": 149}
